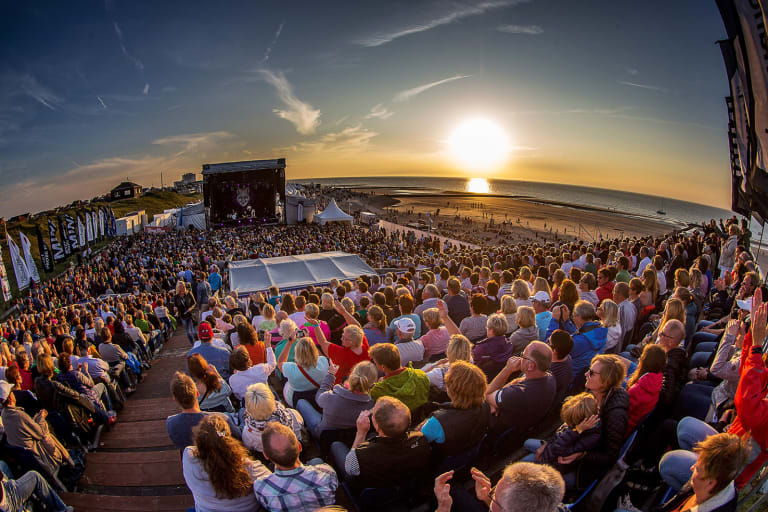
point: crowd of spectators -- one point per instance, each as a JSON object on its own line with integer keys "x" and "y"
{"x": 448, "y": 360}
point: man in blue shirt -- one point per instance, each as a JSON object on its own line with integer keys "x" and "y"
{"x": 213, "y": 354}
{"x": 540, "y": 302}
{"x": 214, "y": 279}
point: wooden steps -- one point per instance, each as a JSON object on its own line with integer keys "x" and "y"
{"x": 100, "y": 503}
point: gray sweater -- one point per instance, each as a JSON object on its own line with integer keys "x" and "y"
{"x": 341, "y": 407}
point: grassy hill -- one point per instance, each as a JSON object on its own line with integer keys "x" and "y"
{"x": 151, "y": 202}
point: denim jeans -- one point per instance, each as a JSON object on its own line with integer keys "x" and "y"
{"x": 189, "y": 326}
{"x": 18, "y": 492}
{"x": 531, "y": 445}
{"x": 339, "y": 451}
{"x": 312, "y": 418}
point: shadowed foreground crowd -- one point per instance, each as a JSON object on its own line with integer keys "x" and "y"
{"x": 623, "y": 374}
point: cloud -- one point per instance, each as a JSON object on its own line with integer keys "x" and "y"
{"x": 410, "y": 93}
{"x": 304, "y": 116}
{"x": 268, "y": 51}
{"x": 101, "y": 101}
{"x": 459, "y": 13}
{"x": 146, "y": 89}
{"x": 643, "y": 86}
{"x": 133, "y": 60}
{"x": 379, "y": 112}
{"x": 633, "y": 71}
{"x": 192, "y": 141}
{"x": 352, "y": 139}
{"x": 169, "y": 88}
{"x": 531, "y": 30}
{"x": 24, "y": 84}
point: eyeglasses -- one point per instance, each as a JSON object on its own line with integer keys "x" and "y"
{"x": 665, "y": 335}
{"x": 494, "y": 501}
{"x": 592, "y": 372}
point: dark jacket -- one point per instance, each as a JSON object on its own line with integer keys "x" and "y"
{"x": 387, "y": 461}
{"x": 687, "y": 491}
{"x": 463, "y": 428}
{"x": 183, "y": 304}
{"x": 613, "y": 425}
{"x": 567, "y": 441}
{"x": 675, "y": 377}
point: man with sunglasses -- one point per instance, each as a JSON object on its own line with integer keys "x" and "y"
{"x": 534, "y": 393}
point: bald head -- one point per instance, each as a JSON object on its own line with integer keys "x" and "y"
{"x": 540, "y": 353}
{"x": 280, "y": 445}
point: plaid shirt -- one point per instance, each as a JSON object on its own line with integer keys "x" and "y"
{"x": 305, "y": 488}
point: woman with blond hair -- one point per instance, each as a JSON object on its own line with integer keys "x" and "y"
{"x": 341, "y": 404}
{"x": 608, "y": 313}
{"x": 268, "y": 322}
{"x": 521, "y": 292}
{"x": 459, "y": 349}
{"x": 261, "y": 408}
{"x": 527, "y": 331}
{"x": 459, "y": 425}
{"x": 304, "y": 375}
{"x": 541, "y": 285}
{"x": 509, "y": 310}
{"x": 651, "y": 284}
{"x": 218, "y": 469}
{"x": 185, "y": 305}
{"x": 436, "y": 339}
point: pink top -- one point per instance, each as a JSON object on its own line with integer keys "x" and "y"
{"x": 323, "y": 327}
{"x": 435, "y": 341}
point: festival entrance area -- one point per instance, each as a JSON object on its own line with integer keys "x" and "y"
{"x": 136, "y": 467}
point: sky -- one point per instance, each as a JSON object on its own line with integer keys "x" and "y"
{"x": 619, "y": 95}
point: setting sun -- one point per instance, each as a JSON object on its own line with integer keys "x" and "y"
{"x": 479, "y": 144}
{"x": 478, "y": 186}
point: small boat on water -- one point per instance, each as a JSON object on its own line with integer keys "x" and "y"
{"x": 661, "y": 211}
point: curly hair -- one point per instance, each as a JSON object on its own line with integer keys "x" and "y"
{"x": 223, "y": 458}
{"x": 465, "y": 384}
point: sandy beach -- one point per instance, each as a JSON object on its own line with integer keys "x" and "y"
{"x": 497, "y": 219}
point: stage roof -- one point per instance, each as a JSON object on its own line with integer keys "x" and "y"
{"x": 247, "y": 165}
{"x": 292, "y": 272}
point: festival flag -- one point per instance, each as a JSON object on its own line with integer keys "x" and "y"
{"x": 112, "y": 223}
{"x": 58, "y": 251}
{"x": 4, "y": 284}
{"x": 71, "y": 232}
{"x": 101, "y": 222}
{"x": 19, "y": 266}
{"x": 26, "y": 248}
{"x": 88, "y": 226}
{"x": 80, "y": 232}
{"x": 45, "y": 252}
{"x": 64, "y": 239}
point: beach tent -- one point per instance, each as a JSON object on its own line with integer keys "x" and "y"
{"x": 295, "y": 272}
{"x": 332, "y": 213}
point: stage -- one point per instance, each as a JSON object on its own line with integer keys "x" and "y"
{"x": 238, "y": 194}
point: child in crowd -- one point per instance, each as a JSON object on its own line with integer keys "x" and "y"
{"x": 245, "y": 373}
{"x": 580, "y": 432}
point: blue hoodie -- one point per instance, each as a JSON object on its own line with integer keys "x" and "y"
{"x": 587, "y": 343}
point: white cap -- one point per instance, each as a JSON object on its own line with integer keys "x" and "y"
{"x": 541, "y": 296}
{"x": 5, "y": 391}
{"x": 406, "y": 325}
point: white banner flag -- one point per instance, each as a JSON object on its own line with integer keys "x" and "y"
{"x": 26, "y": 247}
{"x": 88, "y": 226}
{"x": 19, "y": 266}
{"x": 4, "y": 284}
{"x": 101, "y": 222}
{"x": 80, "y": 232}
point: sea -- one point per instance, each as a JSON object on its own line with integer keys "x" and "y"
{"x": 677, "y": 212}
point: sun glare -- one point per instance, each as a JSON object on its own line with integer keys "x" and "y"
{"x": 478, "y": 186}
{"x": 479, "y": 144}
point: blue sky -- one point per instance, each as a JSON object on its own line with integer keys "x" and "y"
{"x": 612, "y": 94}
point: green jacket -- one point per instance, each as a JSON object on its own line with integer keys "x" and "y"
{"x": 409, "y": 386}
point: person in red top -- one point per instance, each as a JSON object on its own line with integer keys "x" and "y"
{"x": 751, "y": 401}
{"x": 354, "y": 345}
{"x": 645, "y": 385}
{"x": 22, "y": 360}
{"x": 604, "y": 284}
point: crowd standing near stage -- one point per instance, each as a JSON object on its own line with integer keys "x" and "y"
{"x": 408, "y": 384}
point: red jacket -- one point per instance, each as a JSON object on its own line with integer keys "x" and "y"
{"x": 751, "y": 407}
{"x": 643, "y": 396}
{"x": 605, "y": 291}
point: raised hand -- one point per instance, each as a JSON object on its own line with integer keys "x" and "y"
{"x": 482, "y": 486}
{"x": 443, "y": 492}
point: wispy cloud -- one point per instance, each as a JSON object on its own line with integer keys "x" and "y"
{"x": 137, "y": 63}
{"x": 192, "y": 141}
{"x": 458, "y": 13}
{"x": 104, "y": 105}
{"x": 25, "y": 84}
{"x": 643, "y": 86}
{"x": 268, "y": 51}
{"x": 304, "y": 116}
{"x": 633, "y": 71}
{"x": 352, "y": 139}
{"x": 530, "y": 30}
{"x": 379, "y": 111}
{"x": 146, "y": 89}
{"x": 410, "y": 93}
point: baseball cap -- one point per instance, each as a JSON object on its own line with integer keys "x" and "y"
{"x": 5, "y": 391}
{"x": 541, "y": 296}
{"x": 406, "y": 325}
{"x": 204, "y": 331}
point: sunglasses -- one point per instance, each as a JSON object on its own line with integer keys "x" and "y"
{"x": 592, "y": 372}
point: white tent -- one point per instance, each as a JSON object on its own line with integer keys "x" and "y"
{"x": 332, "y": 213}
{"x": 293, "y": 272}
